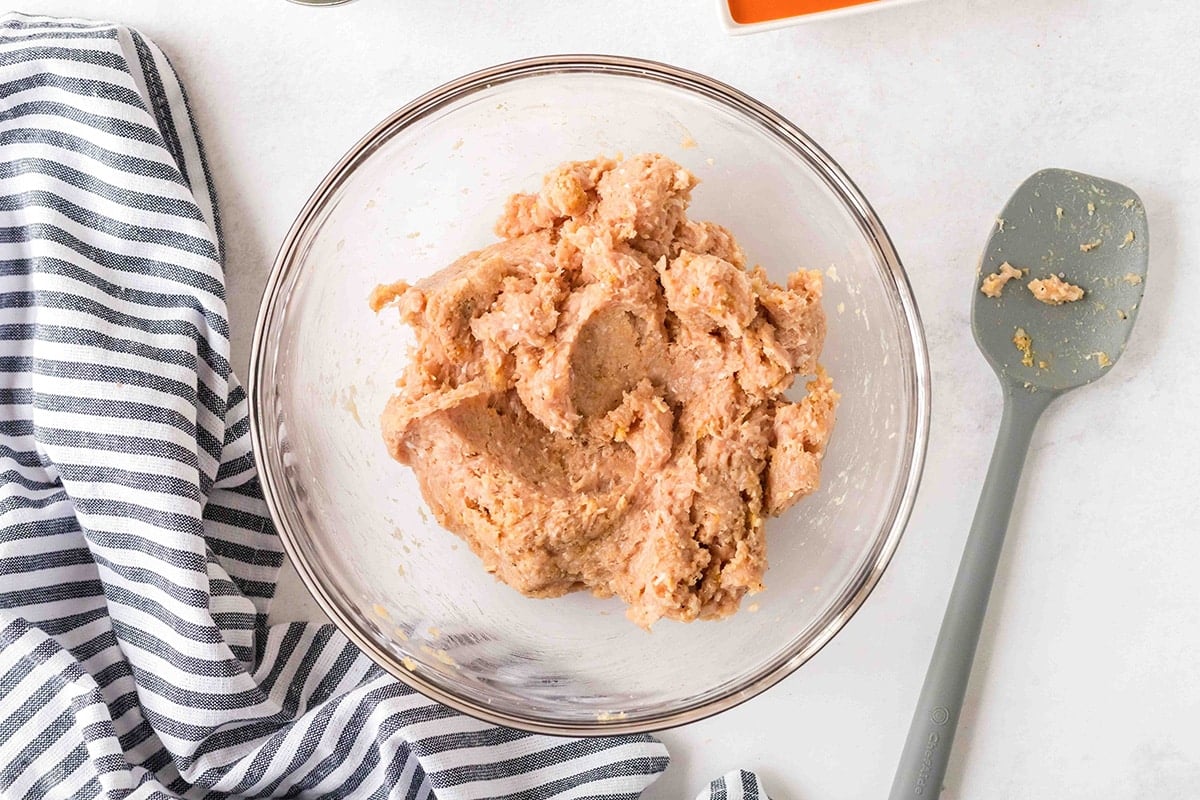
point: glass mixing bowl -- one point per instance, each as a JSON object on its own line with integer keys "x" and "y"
{"x": 424, "y": 187}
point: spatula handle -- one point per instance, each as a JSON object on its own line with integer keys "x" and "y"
{"x": 927, "y": 749}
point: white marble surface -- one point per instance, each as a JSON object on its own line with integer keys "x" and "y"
{"x": 1088, "y": 683}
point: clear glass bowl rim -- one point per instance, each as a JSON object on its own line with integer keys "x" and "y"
{"x": 904, "y": 494}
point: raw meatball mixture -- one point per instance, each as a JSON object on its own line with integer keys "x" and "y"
{"x": 1054, "y": 291}
{"x": 596, "y": 401}
{"x": 993, "y": 285}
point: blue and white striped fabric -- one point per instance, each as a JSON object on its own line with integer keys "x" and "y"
{"x": 736, "y": 785}
{"x": 136, "y": 558}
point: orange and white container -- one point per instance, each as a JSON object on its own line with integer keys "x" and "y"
{"x": 752, "y": 16}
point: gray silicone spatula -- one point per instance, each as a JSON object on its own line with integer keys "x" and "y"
{"x": 1092, "y": 233}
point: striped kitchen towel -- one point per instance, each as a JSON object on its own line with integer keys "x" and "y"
{"x": 137, "y": 561}
{"x": 736, "y": 785}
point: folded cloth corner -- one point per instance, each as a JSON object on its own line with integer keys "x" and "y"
{"x": 736, "y": 785}
{"x": 137, "y": 559}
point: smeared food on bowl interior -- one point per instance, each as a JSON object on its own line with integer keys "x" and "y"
{"x": 596, "y": 401}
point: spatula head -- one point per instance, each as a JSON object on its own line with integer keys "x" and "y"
{"x": 1090, "y": 233}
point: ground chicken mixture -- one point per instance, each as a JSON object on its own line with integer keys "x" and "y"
{"x": 993, "y": 285}
{"x": 1054, "y": 291}
{"x": 596, "y": 401}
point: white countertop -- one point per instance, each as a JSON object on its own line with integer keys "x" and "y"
{"x": 1088, "y": 681}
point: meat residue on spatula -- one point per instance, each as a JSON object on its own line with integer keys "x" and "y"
{"x": 596, "y": 401}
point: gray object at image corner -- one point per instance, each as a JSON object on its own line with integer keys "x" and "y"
{"x": 1091, "y": 233}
